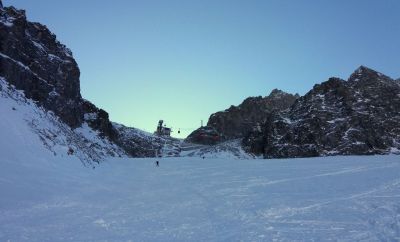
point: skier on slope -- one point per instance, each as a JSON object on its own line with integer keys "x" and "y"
{"x": 157, "y": 163}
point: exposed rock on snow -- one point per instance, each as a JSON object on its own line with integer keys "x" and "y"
{"x": 98, "y": 120}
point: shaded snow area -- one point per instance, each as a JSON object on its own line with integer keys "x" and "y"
{"x": 28, "y": 123}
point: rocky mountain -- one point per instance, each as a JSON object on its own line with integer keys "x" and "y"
{"x": 238, "y": 121}
{"x": 337, "y": 117}
{"x": 355, "y": 117}
{"x": 34, "y": 61}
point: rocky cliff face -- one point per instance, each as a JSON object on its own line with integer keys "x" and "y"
{"x": 357, "y": 116}
{"x": 205, "y": 135}
{"x": 33, "y": 60}
{"x": 237, "y": 121}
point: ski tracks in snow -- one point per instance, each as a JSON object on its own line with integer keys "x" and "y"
{"x": 194, "y": 199}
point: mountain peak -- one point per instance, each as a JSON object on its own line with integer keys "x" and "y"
{"x": 364, "y": 68}
{"x": 276, "y": 92}
{"x": 364, "y": 72}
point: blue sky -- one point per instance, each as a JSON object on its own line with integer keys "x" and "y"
{"x": 183, "y": 60}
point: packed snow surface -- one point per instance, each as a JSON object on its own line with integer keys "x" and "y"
{"x": 49, "y": 198}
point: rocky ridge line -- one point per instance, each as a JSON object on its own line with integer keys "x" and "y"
{"x": 360, "y": 116}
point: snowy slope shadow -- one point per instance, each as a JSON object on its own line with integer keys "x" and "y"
{"x": 56, "y": 136}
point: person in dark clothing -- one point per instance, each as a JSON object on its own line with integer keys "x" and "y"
{"x": 157, "y": 163}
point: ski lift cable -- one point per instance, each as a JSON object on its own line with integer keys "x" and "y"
{"x": 185, "y": 129}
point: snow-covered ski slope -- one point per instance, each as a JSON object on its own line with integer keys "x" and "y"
{"x": 53, "y": 198}
{"x": 47, "y": 195}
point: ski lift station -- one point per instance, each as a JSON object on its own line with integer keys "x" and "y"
{"x": 162, "y": 130}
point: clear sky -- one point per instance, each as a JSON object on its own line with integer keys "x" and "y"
{"x": 183, "y": 60}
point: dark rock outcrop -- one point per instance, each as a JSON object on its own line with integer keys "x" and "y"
{"x": 355, "y": 117}
{"x": 98, "y": 120}
{"x": 238, "y": 121}
{"x": 205, "y": 135}
{"x": 34, "y": 61}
